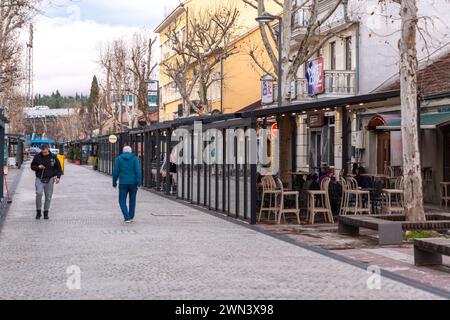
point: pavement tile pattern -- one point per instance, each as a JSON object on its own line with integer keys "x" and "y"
{"x": 171, "y": 252}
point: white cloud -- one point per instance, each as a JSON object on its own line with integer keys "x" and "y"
{"x": 67, "y": 39}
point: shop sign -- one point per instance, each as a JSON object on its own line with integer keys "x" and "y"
{"x": 274, "y": 130}
{"x": 293, "y": 90}
{"x": 316, "y": 120}
{"x": 112, "y": 139}
{"x": 267, "y": 90}
{"x": 315, "y": 77}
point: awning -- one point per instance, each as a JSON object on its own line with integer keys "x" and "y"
{"x": 393, "y": 122}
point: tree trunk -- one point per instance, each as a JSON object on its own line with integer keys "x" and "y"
{"x": 286, "y": 38}
{"x": 413, "y": 201}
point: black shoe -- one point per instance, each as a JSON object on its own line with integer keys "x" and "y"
{"x": 46, "y": 215}
{"x": 38, "y": 214}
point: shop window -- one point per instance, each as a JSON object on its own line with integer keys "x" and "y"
{"x": 348, "y": 53}
{"x": 333, "y": 55}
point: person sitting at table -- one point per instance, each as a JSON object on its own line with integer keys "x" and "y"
{"x": 334, "y": 190}
{"x": 363, "y": 181}
{"x": 328, "y": 173}
{"x": 311, "y": 183}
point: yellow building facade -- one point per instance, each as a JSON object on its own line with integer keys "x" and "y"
{"x": 237, "y": 81}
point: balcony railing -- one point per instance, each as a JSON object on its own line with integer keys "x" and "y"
{"x": 338, "y": 83}
{"x": 301, "y": 18}
{"x": 302, "y": 15}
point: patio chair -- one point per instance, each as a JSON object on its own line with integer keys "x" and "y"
{"x": 286, "y": 195}
{"x": 445, "y": 193}
{"x": 350, "y": 190}
{"x": 392, "y": 199}
{"x": 270, "y": 193}
{"x": 319, "y": 202}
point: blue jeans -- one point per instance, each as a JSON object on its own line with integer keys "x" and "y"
{"x": 126, "y": 190}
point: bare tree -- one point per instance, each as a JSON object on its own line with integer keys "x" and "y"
{"x": 141, "y": 67}
{"x": 14, "y": 15}
{"x": 199, "y": 48}
{"x": 413, "y": 190}
{"x": 316, "y": 33}
{"x": 127, "y": 65}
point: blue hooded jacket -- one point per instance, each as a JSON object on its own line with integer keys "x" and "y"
{"x": 127, "y": 169}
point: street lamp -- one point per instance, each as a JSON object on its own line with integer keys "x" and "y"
{"x": 267, "y": 18}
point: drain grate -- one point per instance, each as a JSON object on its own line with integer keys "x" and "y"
{"x": 167, "y": 215}
{"x": 114, "y": 232}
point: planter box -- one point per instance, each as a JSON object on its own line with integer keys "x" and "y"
{"x": 391, "y": 227}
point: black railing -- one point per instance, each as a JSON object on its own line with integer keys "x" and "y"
{"x": 222, "y": 187}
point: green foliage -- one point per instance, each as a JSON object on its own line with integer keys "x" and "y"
{"x": 77, "y": 154}
{"x": 56, "y": 100}
{"x": 69, "y": 154}
{"x": 94, "y": 94}
{"x": 420, "y": 234}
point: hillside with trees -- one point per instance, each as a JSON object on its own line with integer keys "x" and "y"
{"x": 56, "y": 100}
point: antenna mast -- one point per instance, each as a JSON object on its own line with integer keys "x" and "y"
{"x": 30, "y": 73}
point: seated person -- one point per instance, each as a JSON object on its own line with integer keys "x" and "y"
{"x": 363, "y": 181}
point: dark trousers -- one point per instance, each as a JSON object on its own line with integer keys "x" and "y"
{"x": 125, "y": 191}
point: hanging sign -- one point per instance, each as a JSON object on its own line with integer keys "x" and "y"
{"x": 315, "y": 77}
{"x": 267, "y": 90}
{"x": 153, "y": 96}
{"x": 293, "y": 90}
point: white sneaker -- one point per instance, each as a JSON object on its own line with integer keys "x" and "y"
{"x": 128, "y": 221}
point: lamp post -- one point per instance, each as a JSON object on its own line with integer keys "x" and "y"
{"x": 267, "y": 18}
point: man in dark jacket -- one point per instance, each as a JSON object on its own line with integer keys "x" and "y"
{"x": 48, "y": 172}
{"x": 128, "y": 171}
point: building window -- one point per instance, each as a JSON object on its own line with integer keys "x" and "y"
{"x": 333, "y": 55}
{"x": 348, "y": 53}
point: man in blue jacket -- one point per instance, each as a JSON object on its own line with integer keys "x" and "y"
{"x": 128, "y": 170}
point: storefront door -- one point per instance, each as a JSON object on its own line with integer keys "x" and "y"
{"x": 383, "y": 150}
{"x": 316, "y": 150}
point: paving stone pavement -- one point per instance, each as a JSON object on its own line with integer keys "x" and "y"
{"x": 170, "y": 252}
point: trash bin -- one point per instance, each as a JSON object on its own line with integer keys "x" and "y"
{"x": 61, "y": 159}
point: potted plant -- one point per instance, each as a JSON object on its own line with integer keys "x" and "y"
{"x": 70, "y": 154}
{"x": 95, "y": 163}
{"x": 77, "y": 156}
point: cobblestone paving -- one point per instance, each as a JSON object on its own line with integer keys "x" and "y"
{"x": 171, "y": 252}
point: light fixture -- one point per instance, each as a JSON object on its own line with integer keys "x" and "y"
{"x": 266, "y": 18}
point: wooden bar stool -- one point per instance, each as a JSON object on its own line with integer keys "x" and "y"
{"x": 350, "y": 189}
{"x": 319, "y": 202}
{"x": 392, "y": 199}
{"x": 285, "y": 195}
{"x": 445, "y": 193}
{"x": 269, "y": 190}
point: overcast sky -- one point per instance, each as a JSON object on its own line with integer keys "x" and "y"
{"x": 68, "y": 34}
